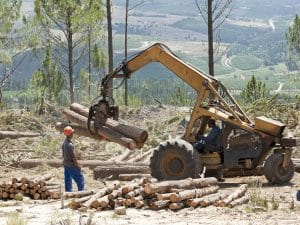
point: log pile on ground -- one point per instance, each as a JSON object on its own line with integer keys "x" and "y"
{"x": 109, "y": 129}
{"x": 35, "y": 188}
{"x": 148, "y": 193}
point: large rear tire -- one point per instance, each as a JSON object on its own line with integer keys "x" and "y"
{"x": 174, "y": 160}
{"x": 275, "y": 173}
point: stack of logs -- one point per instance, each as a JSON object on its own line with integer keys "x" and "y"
{"x": 35, "y": 188}
{"x": 175, "y": 195}
{"x": 109, "y": 129}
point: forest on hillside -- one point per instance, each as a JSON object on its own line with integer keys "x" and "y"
{"x": 42, "y": 60}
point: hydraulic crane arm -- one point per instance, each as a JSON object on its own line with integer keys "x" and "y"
{"x": 213, "y": 100}
{"x": 160, "y": 53}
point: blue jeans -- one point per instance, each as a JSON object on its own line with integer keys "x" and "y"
{"x": 75, "y": 173}
{"x": 298, "y": 195}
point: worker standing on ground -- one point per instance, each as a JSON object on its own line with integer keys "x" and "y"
{"x": 71, "y": 168}
{"x": 209, "y": 141}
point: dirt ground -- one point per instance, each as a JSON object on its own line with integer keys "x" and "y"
{"x": 282, "y": 207}
{"x": 268, "y": 204}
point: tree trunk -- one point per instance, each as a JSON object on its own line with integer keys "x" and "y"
{"x": 76, "y": 203}
{"x": 159, "y": 204}
{"x": 110, "y": 44}
{"x": 130, "y": 177}
{"x": 165, "y": 196}
{"x": 141, "y": 157}
{"x": 137, "y": 134}
{"x": 79, "y": 130}
{"x": 90, "y": 62}
{"x": 30, "y": 163}
{"x": 122, "y": 157}
{"x": 99, "y": 194}
{"x": 78, "y": 194}
{"x": 193, "y": 193}
{"x": 235, "y": 195}
{"x": 16, "y": 134}
{"x": 80, "y": 109}
{"x": 125, "y": 46}
{"x": 164, "y": 186}
{"x": 206, "y": 200}
{"x": 139, "y": 204}
{"x": 104, "y": 131}
{"x": 210, "y": 38}
{"x": 70, "y": 56}
{"x": 134, "y": 193}
{"x": 244, "y": 199}
{"x": 113, "y": 194}
{"x": 177, "y": 205}
{"x": 113, "y": 171}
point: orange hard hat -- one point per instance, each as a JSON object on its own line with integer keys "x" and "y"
{"x": 68, "y": 130}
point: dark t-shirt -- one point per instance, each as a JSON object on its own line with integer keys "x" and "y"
{"x": 68, "y": 153}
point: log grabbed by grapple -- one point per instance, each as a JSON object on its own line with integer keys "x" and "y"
{"x": 107, "y": 129}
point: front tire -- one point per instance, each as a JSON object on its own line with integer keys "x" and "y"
{"x": 275, "y": 173}
{"x": 174, "y": 160}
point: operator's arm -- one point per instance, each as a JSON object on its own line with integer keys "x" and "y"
{"x": 213, "y": 135}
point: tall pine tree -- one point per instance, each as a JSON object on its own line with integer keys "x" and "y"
{"x": 69, "y": 25}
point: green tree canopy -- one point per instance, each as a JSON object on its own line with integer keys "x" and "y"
{"x": 293, "y": 40}
{"x": 9, "y": 14}
{"x": 47, "y": 82}
{"x": 68, "y": 24}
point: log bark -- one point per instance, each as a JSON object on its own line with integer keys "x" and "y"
{"x": 134, "y": 193}
{"x": 139, "y": 204}
{"x": 79, "y": 130}
{"x": 137, "y": 134}
{"x": 234, "y": 195}
{"x": 80, "y": 109}
{"x": 206, "y": 200}
{"x": 30, "y": 163}
{"x": 164, "y": 186}
{"x": 194, "y": 193}
{"x": 106, "y": 132}
{"x": 141, "y": 157}
{"x": 54, "y": 194}
{"x": 113, "y": 194}
{"x": 165, "y": 196}
{"x": 129, "y": 202}
{"x": 78, "y": 194}
{"x": 100, "y": 193}
{"x": 113, "y": 171}
{"x": 159, "y": 204}
{"x": 129, "y": 187}
{"x": 76, "y": 203}
{"x": 130, "y": 177}
{"x": 104, "y": 201}
{"x": 242, "y": 200}
{"x": 177, "y": 205}
{"x": 123, "y": 156}
{"x": 15, "y": 134}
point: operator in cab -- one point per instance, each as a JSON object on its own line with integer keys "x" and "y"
{"x": 210, "y": 141}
